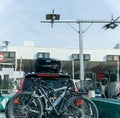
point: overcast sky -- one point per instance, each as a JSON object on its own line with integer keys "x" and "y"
{"x": 20, "y": 20}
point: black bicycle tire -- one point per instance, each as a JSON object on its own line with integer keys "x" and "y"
{"x": 11, "y": 105}
{"x": 87, "y": 100}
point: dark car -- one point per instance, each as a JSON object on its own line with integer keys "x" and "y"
{"x": 53, "y": 80}
{"x": 47, "y": 70}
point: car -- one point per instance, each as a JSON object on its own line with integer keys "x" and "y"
{"x": 53, "y": 80}
{"x": 47, "y": 70}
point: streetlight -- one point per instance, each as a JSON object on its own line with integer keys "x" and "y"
{"x": 112, "y": 24}
{"x": 54, "y": 18}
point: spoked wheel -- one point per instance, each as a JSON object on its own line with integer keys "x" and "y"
{"x": 23, "y": 105}
{"x": 80, "y": 107}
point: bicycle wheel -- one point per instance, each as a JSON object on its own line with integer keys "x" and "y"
{"x": 80, "y": 107}
{"x": 23, "y": 105}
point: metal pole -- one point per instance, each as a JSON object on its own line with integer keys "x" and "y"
{"x": 81, "y": 21}
{"x": 118, "y": 74}
{"x": 15, "y": 66}
{"x": 81, "y": 52}
{"x": 73, "y": 69}
{"x": 81, "y": 56}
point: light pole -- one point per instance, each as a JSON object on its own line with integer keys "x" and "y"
{"x": 81, "y": 52}
{"x": 73, "y": 68}
{"x": 54, "y": 18}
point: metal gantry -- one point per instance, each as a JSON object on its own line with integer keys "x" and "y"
{"x": 108, "y": 24}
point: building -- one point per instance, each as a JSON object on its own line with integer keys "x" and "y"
{"x": 17, "y": 60}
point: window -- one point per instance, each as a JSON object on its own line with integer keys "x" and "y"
{"x": 109, "y": 57}
{"x": 53, "y": 82}
{"x": 86, "y": 57}
{"x": 43, "y": 55}
{"x": 113, "y": 57}
{"x": 40, "y": 55}
{"x": 75, "y": 56}
{"x": 6, "y": 54}
{"x": 9, "y": 54}
{"x": 12, "y": 54}
{"x": 116, "y": 58}
{"x": 46, "y": 55}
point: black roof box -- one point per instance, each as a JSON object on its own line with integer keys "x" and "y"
{"x": 47, "y": 65}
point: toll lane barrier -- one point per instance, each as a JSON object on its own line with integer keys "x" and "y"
{"x": 108, "y": 108}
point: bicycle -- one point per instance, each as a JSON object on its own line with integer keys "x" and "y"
{"x": 46, "y": 102}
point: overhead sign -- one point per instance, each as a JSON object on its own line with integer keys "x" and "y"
{"x": 2, "y": 57}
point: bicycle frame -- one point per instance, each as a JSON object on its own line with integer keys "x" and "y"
{"x": 43, "y": 95}
{"x": 49, "y": 105}
{"x": 48, "y": 100}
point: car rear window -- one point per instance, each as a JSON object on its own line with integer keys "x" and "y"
{"x": 48, "y": 81}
